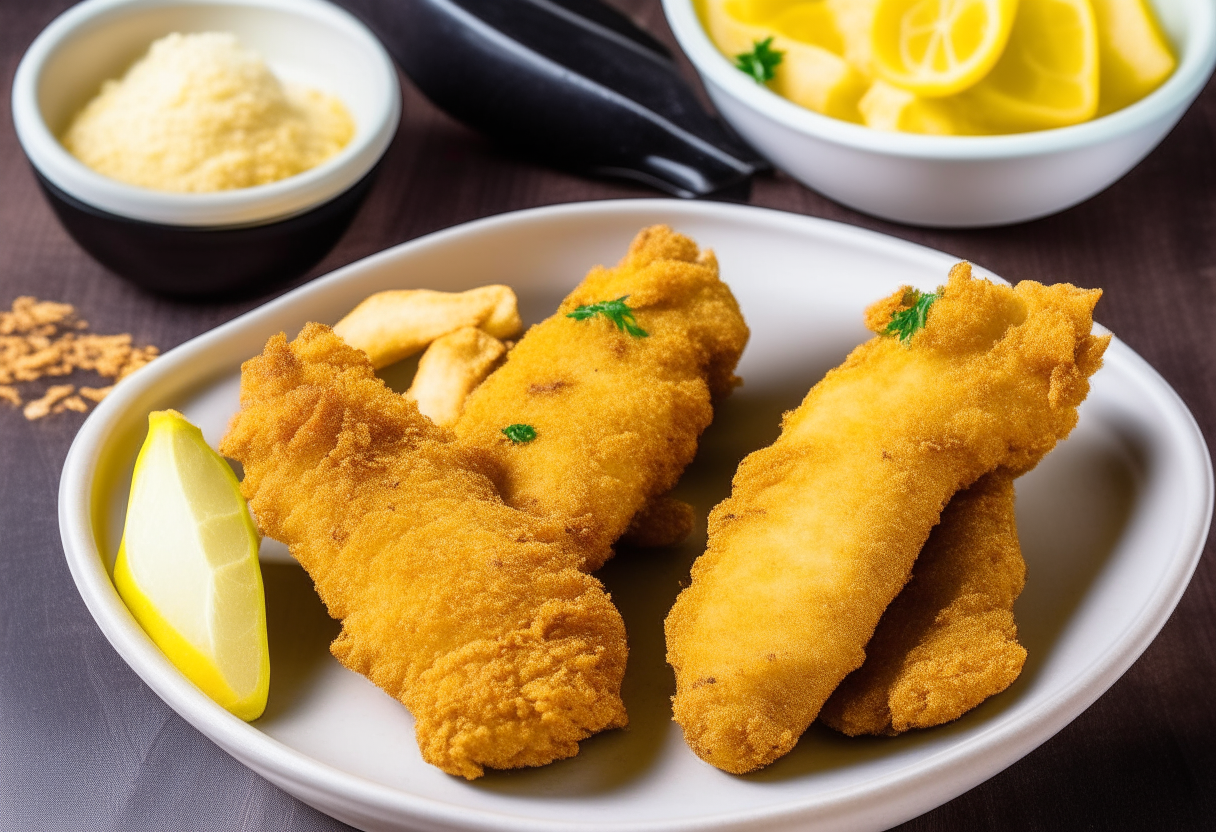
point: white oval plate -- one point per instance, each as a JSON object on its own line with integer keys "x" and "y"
{"x": 1112, "y": 524}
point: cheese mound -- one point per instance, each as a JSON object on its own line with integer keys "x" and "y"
{"x": 200, "y": 113}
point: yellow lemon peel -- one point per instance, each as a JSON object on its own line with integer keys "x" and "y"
{"x": 939, "y": 47}
{"x": 187, "y": 566}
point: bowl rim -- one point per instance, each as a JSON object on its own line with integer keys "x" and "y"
{"x": 238, "y": 207}
{"x": 1195, "y": 66}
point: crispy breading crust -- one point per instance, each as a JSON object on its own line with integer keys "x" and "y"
{"x": 474, "y": 614}
{"x": 948, "y": 641}
{"x": 617, "y": 417}
{"x": 821, "y": 529}
{"x": 663, "y": 522}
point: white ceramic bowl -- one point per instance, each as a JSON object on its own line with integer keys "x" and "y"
{"x": 955, "y": 181}
{"x": 304, "y": 41}
{"x": 139, "y": 231}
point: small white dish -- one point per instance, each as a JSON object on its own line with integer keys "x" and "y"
{"x": 224, "y": 242}
{"x": 1112, "y": 526}
{"x": 955, "y": 181}
{"x": 311, "y": 42}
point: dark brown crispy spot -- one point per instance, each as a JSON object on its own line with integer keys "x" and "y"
{"x": 772, "y": 657}
{"x": 547, "y": 387}
{"x": 708, "y": 680}
{"x": 619, "y": 348}
{"x": 886, "y": 455}
{"x": 338, "y": 534}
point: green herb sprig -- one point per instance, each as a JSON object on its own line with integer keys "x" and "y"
{"x": 519, "y": 434}
{"x": 615, "y": 311}
{"x": 907, "y": 322}
{"x": 761, "y": 63}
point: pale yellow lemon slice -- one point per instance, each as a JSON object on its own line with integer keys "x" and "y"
{"x": 811, "y": 22}
{"x": 763, "y": 11}
{"x": 727, "y": 27}
{"x": 809, "y": 74}
{"x": 885, "y": 107}
{"x": 854, "y": 20}
{"x": 814, "y": 72}
{"x": 939, "y": 47}
{"x": 187, "y": 567}
{"x": 1134, "y": 57}
{"x": 819, "y": 80}
{"x": 1048, "y": 76}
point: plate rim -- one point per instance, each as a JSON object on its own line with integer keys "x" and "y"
{"x": 906, "y": 793}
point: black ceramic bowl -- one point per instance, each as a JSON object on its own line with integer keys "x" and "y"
{"x": 226, "y": 242}
{"x": 207, "y": 261}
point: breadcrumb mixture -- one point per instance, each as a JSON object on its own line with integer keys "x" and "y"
{"x": 45, "y": 339}
{"x": 200, "y": 112}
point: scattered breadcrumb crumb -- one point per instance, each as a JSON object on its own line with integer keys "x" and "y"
{"x": 41, "y": 407}
{"x": 45, "y": 339}
{"x": 95, "y": 394}
{"x": 72, "y": 403}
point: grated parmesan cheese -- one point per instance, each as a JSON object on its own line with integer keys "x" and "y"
{"x": 201, "y": 113}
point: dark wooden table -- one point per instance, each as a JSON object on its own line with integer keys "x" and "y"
{"x": 85, "y": 745}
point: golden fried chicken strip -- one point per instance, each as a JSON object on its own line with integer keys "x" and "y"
{"x": 617, "y": 417}
{"x": 821, "y": 528}
{"x": 948, "y": 641}
{"x": 473, "y": 614}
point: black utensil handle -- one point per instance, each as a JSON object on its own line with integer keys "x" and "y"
{"x": 572, "y": 82}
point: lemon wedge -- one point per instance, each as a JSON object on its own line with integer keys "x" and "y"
{"x": 1048, "y": 76}
{"x": 1134, "y": 58}
{"x": 187, "y": 567}
{"x": 939, "y": 47}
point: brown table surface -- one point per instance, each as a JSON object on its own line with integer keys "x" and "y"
{"x": 85, "y": 745}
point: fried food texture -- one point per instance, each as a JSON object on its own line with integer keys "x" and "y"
{"x": 821, "y": 529}
{"x": 473, "y": 614}
{"x": 617, "y": 415}
{"x": 948, "y": 641}
{"x": 663, "y": 522}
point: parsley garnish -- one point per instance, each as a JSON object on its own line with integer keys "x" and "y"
{"x": 519, "y": 434}
{"x": 615, "y": 311}
{"x": 907, "y": 322}
{"x": 761, "y": 63}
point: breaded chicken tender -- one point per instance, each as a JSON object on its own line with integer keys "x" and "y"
{"x": 617, "y": 415}
{"x": 822, "y": 528}
{"x": 473, "y": 614}
{"x": 948, "y": 641}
